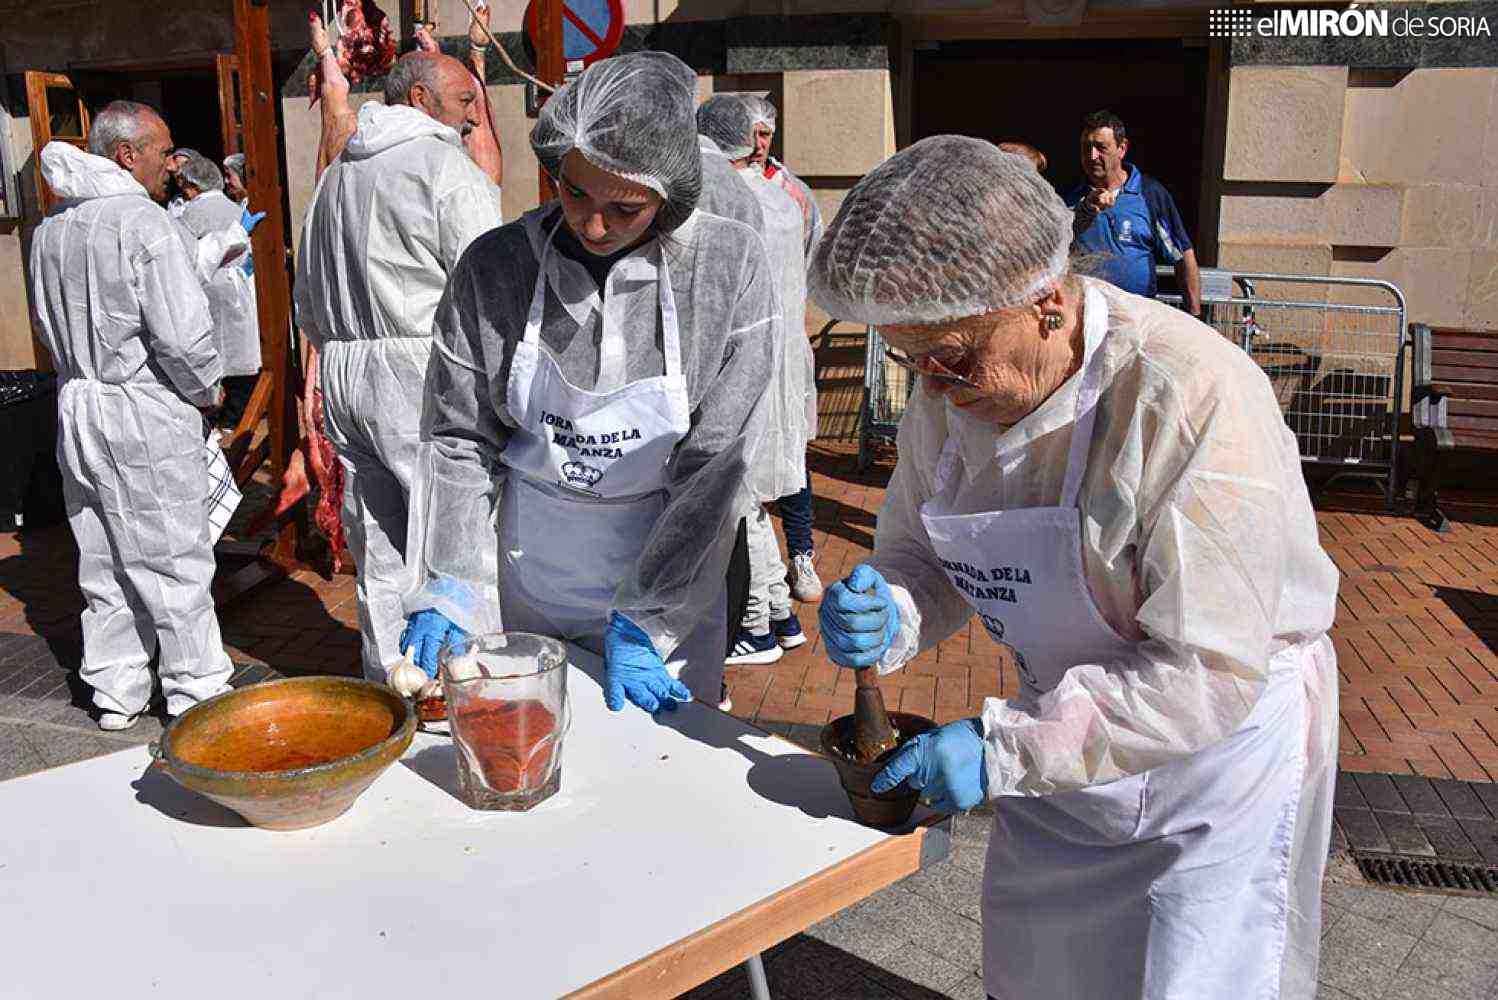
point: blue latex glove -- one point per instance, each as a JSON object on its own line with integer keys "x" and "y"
{"x": 945, "y": 765}
{"x": 858, "y": 618}
{"x": 426, "y": 632}
{"x": 635, "y": 671}
{"x": 248, "y": 267}
{"x": 250, "y": 219}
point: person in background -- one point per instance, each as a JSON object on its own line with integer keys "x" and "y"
{"x": 767, "y": 627}
{"x": 234, "y": 187}
{"x": 764, "y": 116}
{"x": 481, "y": 141}
{"x": 1116, "y": 499}
{"x": 595, "y": 401}
{"x": 388, "y": 221}
{"x": 796, "y": 508}
{"x": 1026, "y": 150}
{"x": 1128, "y": 217}
{"x": 124, "y": 317}
{"x": 230, "y": 290}
{"x": 176, "y": 199}
{"x": 725, "y": 193}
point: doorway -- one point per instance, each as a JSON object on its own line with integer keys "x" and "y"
{"x": 1039, "y": 91}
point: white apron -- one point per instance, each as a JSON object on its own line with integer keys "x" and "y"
{"x": 1169, "y": 883}
{"x": 589, "y": 480}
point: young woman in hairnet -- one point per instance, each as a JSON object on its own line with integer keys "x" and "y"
{"x": 1109, "y": 487}
{"x": 596, "y": 389}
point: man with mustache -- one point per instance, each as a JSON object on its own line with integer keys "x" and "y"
{"x": 388, "y": 221}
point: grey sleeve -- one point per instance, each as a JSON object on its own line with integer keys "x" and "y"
{"x": 453, "y": 544}
{"x": 680, "y": 572}
{"x": 175, "y": 312}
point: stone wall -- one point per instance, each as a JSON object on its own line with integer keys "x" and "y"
{"x": 1370, "y": 158}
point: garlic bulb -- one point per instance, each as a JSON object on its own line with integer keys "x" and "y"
{"x": 406, "y": 677}
{"x": 464, "y": 667}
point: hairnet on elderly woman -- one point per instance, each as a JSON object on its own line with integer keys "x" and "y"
{"x": 1107, "y": 489}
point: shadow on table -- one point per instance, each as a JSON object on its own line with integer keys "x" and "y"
{"x": 155, "y": 789}
{"x": 796, "y": 778}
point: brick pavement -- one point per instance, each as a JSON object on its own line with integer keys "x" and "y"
{"x": 1416, "y": 631}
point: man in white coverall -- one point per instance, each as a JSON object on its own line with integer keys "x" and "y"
{"x": 389, "y": 219}
{"x": 126, "y": 321}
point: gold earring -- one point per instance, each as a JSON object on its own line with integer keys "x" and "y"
{"x": 1053, "y": 321}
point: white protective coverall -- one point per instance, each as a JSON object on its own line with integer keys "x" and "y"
{"x": 126, "y": 322}
{"x": 780, "y": 469}
{"x": 230, "y": 291}
{"x": 1162, "y": 783}
{"x": 666, "y": 571}
{"x": 387, "y": 224}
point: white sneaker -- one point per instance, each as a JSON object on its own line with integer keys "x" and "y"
{"x": 726, "y": 704}
{"x": 754, "y": 650}
{"x": 806, "y": 586}
{"x": 117, "y": 722}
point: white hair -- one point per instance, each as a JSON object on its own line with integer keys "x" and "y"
{"x": 409, "y": 70}
{"x": 120, "y": 121}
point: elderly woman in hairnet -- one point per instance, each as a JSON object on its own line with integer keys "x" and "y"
{"x": 596, "y": 381}
{"x": 1116, "y": 498}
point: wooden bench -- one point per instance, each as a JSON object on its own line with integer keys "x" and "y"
{"x": 1455, "y": 401}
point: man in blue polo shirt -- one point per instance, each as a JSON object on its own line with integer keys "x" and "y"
{"x": 1127, "y": 217}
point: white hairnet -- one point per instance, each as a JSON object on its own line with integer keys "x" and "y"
{"x": 631, "y": 116}
{"x": 947, "y": 228}
{"x": 235, "y": 162}
{"x": 760, "y": 109}
{"x": 201, "y": 173}
{"x": 725, "y": 119}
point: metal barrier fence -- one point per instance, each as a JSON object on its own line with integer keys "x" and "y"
{"x": 1333, "y": 349}
{"x": 887, "y": 388}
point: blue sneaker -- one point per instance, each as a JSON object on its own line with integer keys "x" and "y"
{"x": 787, "y": 632}
{"x": 754, "y": 650}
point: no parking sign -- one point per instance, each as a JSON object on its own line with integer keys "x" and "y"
{"x": 591, "y": 29}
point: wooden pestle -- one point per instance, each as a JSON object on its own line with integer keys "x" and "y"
{"x": 872, "y": 732}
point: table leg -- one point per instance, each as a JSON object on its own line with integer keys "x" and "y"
{"x": 759, "y": 987}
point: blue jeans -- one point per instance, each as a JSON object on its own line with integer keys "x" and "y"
{"x": 795, "y": 519}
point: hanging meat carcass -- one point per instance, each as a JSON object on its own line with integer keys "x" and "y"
{"x": 366, "y": 43}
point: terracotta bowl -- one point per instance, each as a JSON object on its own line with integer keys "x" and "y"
{"x": 288, "y": 754}
{"x": 885, "y": 809}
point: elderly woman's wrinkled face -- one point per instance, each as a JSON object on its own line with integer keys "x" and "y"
{"x": 1013, "y": 361}
{"x": 604, "y": 211}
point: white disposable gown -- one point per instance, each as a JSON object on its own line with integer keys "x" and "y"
{"x": 230, "y": 291}
{"x": 126, "y": 322}
{"x": 725, "y": 301}
{"x": 797, "y": 389}
{"x": 1198, "y": 540}
{"x": 802, "y": 194}
{"x": 388, "y": 222}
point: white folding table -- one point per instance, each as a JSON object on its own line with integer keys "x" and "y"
{"x": 678, "y": 847}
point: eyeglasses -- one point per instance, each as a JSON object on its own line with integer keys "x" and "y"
{"x": 932, "y": 370}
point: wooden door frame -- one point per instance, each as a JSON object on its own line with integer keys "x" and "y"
{"x": 38, "y": 82}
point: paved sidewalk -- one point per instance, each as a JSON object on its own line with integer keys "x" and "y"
{"x": 1417, "y": 635}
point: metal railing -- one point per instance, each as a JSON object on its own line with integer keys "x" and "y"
{"x": 887, "y": 389}
{"x": 1333, "y": 349}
